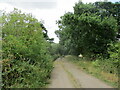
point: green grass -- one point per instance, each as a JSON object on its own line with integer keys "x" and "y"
{"x": 90, "y": 68}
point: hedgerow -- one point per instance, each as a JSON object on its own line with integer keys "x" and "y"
{"x": 26, "y": 61}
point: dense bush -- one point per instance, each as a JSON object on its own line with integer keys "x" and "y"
{"x": 26, "y": 60}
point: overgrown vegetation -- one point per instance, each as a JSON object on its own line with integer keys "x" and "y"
{"x": 93, "y": 30}
{"x": 26, "y": 60}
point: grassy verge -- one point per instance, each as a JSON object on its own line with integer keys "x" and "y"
{"x": 89, "y": 67}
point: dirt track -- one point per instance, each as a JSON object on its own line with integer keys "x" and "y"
{"x": 67, "y": 75}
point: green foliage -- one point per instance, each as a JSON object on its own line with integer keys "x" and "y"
{"x": 85, "y": 31}
{"x": 57, "y": 50}
{"x": 26, "y": 60}
{"x": 21, "y": 74}
{"x": 110, "y": 65}
{"x": 54, "y": 50}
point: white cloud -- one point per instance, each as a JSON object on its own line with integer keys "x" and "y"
{"x": 49, "y": 13}
{"x": 6, "y": 7}
{"x": 27, "y": 1}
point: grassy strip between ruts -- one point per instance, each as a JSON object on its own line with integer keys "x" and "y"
{"x": 87, "y": 66}
{"x": 71, "y": 77}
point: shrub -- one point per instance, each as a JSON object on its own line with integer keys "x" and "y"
{"x": 26, "y": 60}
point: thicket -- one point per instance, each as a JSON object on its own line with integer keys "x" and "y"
{"x": 26, "y": 62}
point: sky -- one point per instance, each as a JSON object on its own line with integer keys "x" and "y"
{"x": 49, "y": 11}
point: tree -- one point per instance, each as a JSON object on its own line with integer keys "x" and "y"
{"x": 110, "y": 9}
{"x": 84, "y": 31}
